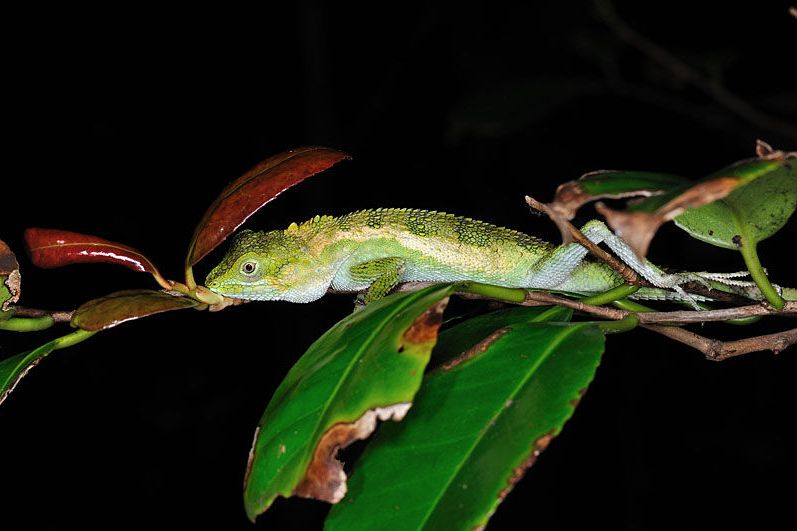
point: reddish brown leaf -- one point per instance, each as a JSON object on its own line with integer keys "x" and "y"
{"x": 247, "y": 194}
{"x": 638, "y": 228}
{"x": 9, "y": 277}
{"x": 116, "y": 308}
{"x": 50, "y": 248}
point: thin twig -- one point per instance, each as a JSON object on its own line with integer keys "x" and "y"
{"x": 717, "y": 350}
{"x": 713, "y": 349}
{"x": 628, "y": 274}
{"x": 59, "y": 316}
{"x": 542, "y": 298}
{"x": 538, "y": 298}
{"x": 704, "y": 316}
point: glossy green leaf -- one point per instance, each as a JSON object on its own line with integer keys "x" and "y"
{"x": 612, "y": 184}
{"x": 13, "y": 369}
{"x": 473, "y": 431}
{"x": 622, "y": 183}
{"x": 368, "y": 365}
{"x": 122, "y": 306}
{"x": 459, "y": 338}
{"x": 756, "y": 210}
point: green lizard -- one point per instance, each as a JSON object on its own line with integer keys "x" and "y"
{"x": 375, "y": 250}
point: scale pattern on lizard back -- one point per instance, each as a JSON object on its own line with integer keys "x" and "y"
{"x": 305, "y": 260}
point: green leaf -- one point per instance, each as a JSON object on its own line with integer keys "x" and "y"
{"x": 368, "y": 365}
{"x": 612, "y": 184}
{"x": 122, "y": 306}
{"x": 459, "y": 338}
{"x": 13, "y": 369}
{"x": 473, "y": 431}
{"x": 623, "y": 183}
{"x": 756, "y": 210}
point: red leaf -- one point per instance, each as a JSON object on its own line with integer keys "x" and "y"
{"x": 253, "y": 190}
{"x": 50, "y": 248}
{"x": 117, "y": 308}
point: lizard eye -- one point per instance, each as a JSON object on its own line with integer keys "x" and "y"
{"x": 249, "y": 267}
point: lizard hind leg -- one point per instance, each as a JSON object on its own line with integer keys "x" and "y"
{"x": 598, "y": 232}
{"x": 382, "y": 273}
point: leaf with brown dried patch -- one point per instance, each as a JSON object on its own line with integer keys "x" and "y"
{"x": 9, "y": 278}
{"x": 122, "y": 306}
{"x": 637, "y": 227}
{"x": 610, "y": 184}
{"x": 475, "y": 428}
{"x": 254, "y": 189}
{"x": 367, "y": 367}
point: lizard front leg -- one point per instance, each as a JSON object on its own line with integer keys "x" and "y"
{"x": 382, "y": 273}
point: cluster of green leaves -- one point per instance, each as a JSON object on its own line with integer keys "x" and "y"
{"x": 502, "y": 386}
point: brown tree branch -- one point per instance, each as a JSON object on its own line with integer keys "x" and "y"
{"x": 571, "y": 233}
{"x": 59, "y": 316}
{"x": 717, "y": 350}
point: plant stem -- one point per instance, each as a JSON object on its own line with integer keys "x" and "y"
{"x": 189, "y": 278}
{"x": 513, "y": 295}
{"x": 742, "y": 321}
{"x": 620, "y": 292}
{"x": 631, "y": 306}
{"x": 72, "y": 339}
{"x": 625, "y": 324}
{"x": 162, "y": 282}
{"x": 758, "y": 275}
{"x": 27, "y": 324}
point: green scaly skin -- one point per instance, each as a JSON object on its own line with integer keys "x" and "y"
{"x": 374, "y": 250}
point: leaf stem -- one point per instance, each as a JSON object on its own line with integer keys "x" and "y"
{"x": 162, "y": 282}
{"x": 189, "y": 278}
{"x": 513, "y": 295}
{"x": 629, "y": 322}
{"x": 631, "y": 306}
{"x": 758, "y": 274}
{"x": 619, "y": 292}
{"x": 27, "y": 324}
{"x": 72, "y": 339}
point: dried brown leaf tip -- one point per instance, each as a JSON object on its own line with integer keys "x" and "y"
{"x": 325, "y": 479}
{"x": 638, "y": 228}
{"x": 766, "y": 152}
{"x": 9, "y": 276}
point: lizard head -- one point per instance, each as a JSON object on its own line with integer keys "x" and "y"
{"x": 258, "y": 266}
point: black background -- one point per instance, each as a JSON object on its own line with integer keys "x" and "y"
{"x": 127, "y": 124}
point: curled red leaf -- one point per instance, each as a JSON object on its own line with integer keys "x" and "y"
{"x": 49, "y": 248}
{"x": 247, "y": 194}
